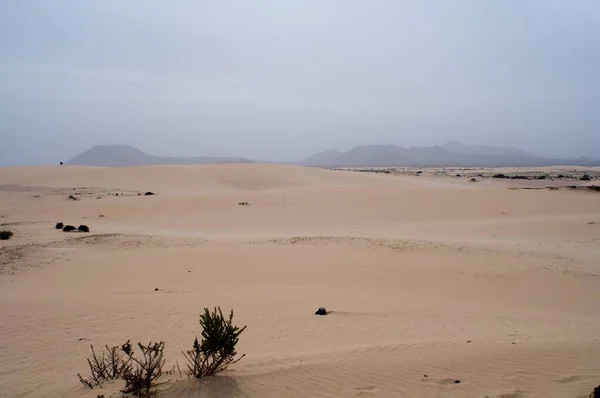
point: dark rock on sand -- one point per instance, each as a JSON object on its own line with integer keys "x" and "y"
{"x": 83, "y": 228}
{"x": 321, "y": 311}
{"x": 59, "y": 225}
{"x": 69, "y": 228}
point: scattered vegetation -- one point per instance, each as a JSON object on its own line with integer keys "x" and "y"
{"x": 69, "y": 228}
{"x": 109, "y": 365}
{"x": 59, "y": 225}
{"x": 216, "y": 351}
{"x": 141, "y": 374}
{"x": 83, "y": 228}
{"x": 6, "y": 235}
{"x": 243, "y": 203}
{"x": 149, "y": 193}
{"x": 72, "y": 197}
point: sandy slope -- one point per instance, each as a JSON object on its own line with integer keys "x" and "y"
{"x": 475, "y": 282}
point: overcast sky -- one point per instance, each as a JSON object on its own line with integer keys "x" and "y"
{"x": 281, "y": 79}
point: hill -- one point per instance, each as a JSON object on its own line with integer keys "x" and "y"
{"x": 451, "y": 154}
{"x": 124, "y": 155}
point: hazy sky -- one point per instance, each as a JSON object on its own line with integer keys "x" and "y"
{"x": 281, "y": 79}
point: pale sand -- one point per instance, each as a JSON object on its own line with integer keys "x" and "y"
{"x": 497, "y": 288}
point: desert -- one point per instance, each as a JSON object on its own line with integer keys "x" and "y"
{"x": 435, "y": 285}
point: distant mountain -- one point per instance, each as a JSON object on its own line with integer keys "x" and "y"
{"x": 462, "y": 149}
{"x": 123, "y": 155}
{"x": 451, "y": 154}
{"x": 322, "y": 157}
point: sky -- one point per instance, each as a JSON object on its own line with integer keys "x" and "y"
{"x": 279, "y": 80}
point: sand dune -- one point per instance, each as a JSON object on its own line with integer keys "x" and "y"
{"x": 430, "y": 280}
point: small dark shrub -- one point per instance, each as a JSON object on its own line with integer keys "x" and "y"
{"x": 585, "y": 177}
{"x": 149, "y": 193}
{"x": 595, "y": 393}
{"x": 72, "y": 197}
{"x": 69, "y": 228}
{"x": 6, "y": 235}
{"x": 59, "y": 225}
{"x": 83, "y": 228}
{"x": 542, "y": 177}
{"x": 108, "y": 366}
{"x": 498, "y": 176}
{"x": 216, "y": 351}
{"x": 140, "y": 374}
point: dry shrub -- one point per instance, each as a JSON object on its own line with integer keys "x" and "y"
{"x": 109, "y": 365}
{"x": 140, "y": 374}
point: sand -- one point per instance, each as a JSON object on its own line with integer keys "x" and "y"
{"x": 430, "y": 280}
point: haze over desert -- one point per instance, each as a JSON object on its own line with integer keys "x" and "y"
{"x": 436, "y": 286}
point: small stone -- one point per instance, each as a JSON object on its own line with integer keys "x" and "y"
{"x": 456, "y": 381}
{"x": 321, "y": 311}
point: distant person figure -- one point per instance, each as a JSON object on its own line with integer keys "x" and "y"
{"x": 61, "y": 163}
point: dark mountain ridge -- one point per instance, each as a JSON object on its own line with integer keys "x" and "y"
{"x": 124, "y": 155}
{"x": 449, "y": 155}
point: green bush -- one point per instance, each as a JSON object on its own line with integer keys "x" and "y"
{"x": 6, "y": 235}
{"x": 216, "y": 351}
